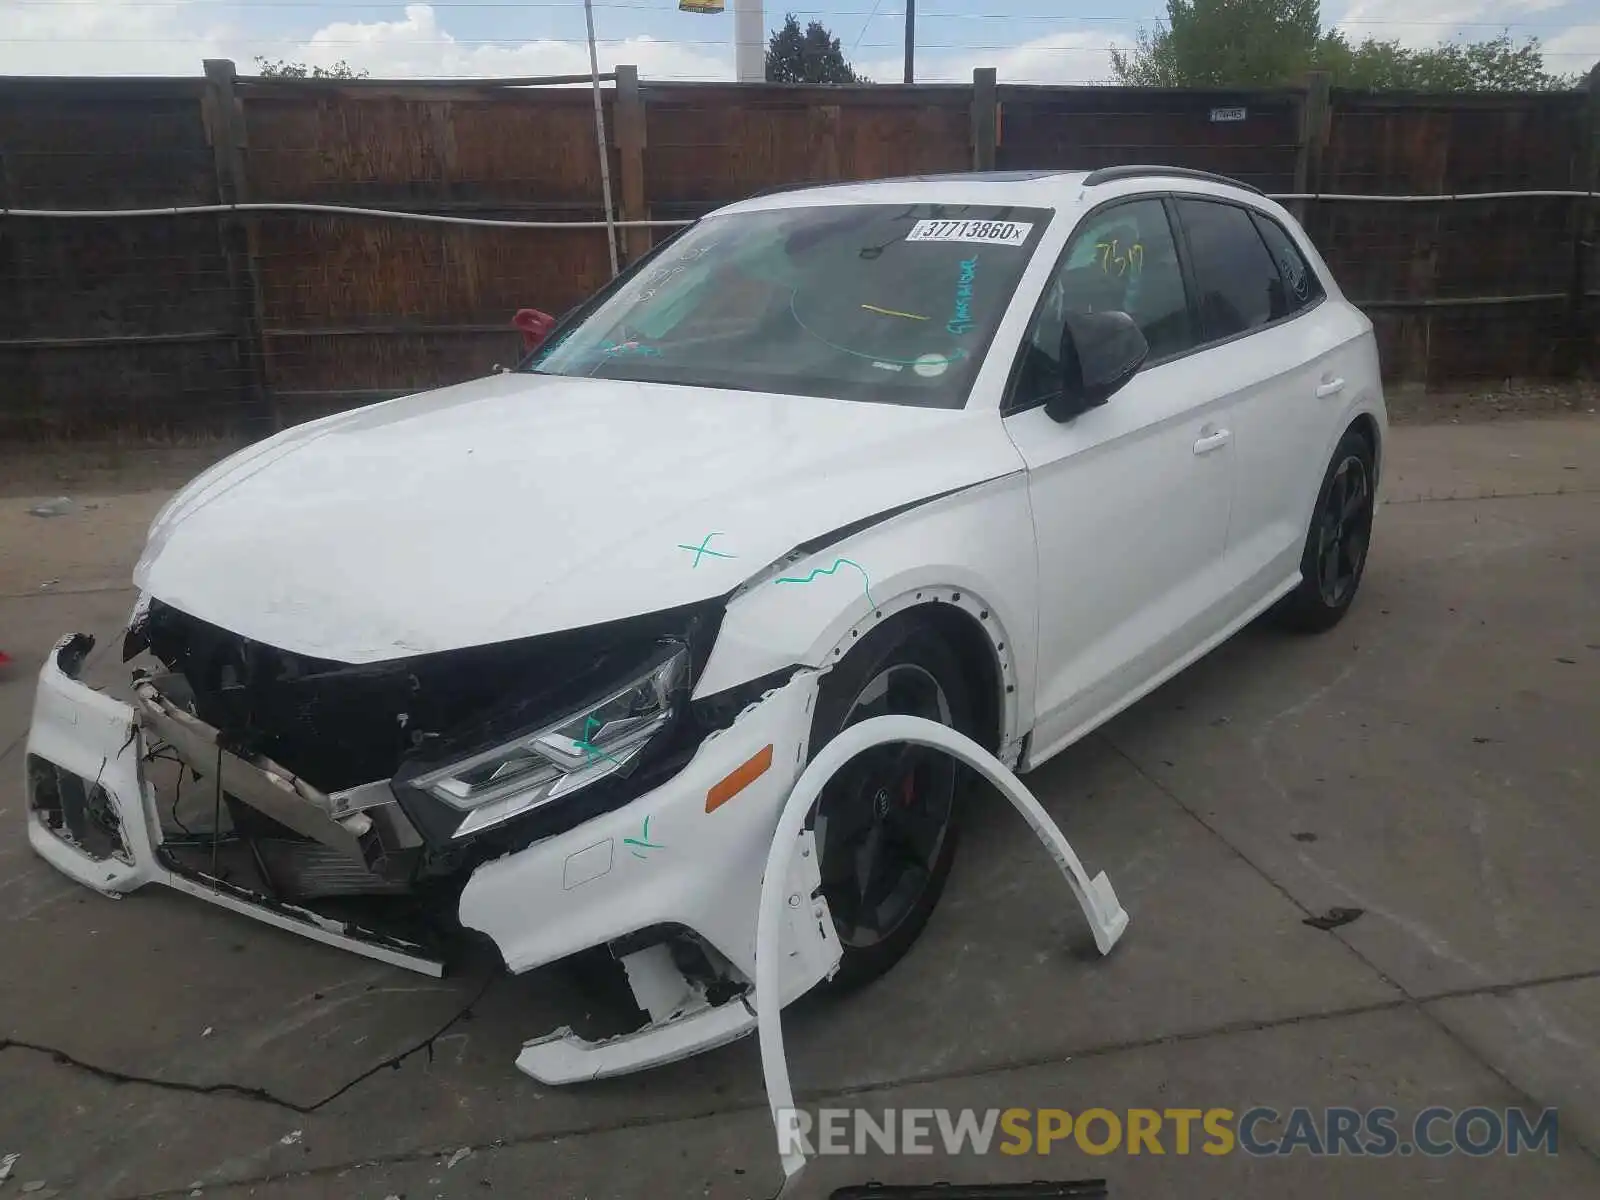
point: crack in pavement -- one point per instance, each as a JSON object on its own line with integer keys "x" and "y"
{"x": 1103, "y": 1050}
{"x": 1491, "y": 495}
{"x": 246, "y": 1091}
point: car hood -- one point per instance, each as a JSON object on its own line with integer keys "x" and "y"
{"x": 524, "y": 504}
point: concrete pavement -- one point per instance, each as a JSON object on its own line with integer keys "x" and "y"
{"x": 1431, "y": 762}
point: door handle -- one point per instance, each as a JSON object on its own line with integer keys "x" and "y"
{"x": 1331, "y": 387}
{"x": 1213, "y": 441}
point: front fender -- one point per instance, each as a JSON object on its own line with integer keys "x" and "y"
{"x": 973, "y": 549}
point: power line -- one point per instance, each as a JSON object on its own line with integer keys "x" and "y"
{"x": 623, "y": 5}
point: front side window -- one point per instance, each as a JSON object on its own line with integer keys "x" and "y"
{"x": 887, "y": 303}
{"x": 1122, "y": 258}
{"x": 1236, "y": 278}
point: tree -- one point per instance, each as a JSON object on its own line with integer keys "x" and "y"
{"x": 1270, "y": 43}
{"x": 811, "y": 57}
{"x": 1495, "y": 65}
{"x": 1225, "y": 43}
{"x": 279, "y": 69}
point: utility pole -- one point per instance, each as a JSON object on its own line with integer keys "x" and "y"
{"x": 911, "y": 40}
{"x": 600, "y": 140}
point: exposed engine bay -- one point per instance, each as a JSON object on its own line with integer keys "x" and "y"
{"x": 319, "y": 783}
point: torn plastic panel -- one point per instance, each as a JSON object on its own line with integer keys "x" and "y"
{"x": 779, "y": 904}
{"x": 79, "y": 733}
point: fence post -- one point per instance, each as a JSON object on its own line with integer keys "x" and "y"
{"x": 1585, "y": 162}
{"x": 1315, "y": 119}
{"x": 630, "y": 125}
{"x": 224, "y": 123}
{"x": 985, "y": 117}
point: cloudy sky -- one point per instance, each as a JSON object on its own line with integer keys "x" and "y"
{"x": 1064, "y": 41}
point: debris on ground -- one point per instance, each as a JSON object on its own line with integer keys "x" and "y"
{"x": 33, "y": 1185}
{"x": 1334, "y": 918}
{"x": 58, "y": 507}
{"x": 455, "y": 1158}
{"x": 290, "y": 1139}
{"x": 7, "y": 1161}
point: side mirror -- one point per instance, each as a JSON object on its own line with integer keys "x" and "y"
{"x": 1100, "y": 352}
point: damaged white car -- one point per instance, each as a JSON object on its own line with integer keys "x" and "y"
{"x": 537, "y": 659}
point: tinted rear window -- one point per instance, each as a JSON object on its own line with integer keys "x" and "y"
{"x": 1236, "y": 278}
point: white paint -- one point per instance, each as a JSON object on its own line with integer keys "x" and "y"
{"x": 1095, "y": 558}
{"x": 523, "y": 504}
{"x": 1095, "y": 897}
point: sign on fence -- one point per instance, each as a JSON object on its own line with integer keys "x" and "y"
{"x": 1227, "y": 114}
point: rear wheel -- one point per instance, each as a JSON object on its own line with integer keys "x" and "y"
{"x": 1335, "y": 554}
{"x": 885, "y": 824}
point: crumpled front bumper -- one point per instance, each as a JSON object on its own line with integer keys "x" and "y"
{"x": 672, "y": 858}
{"x": 95, "y": 747}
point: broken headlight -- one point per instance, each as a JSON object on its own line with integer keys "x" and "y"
{"x": 581, "y": 748}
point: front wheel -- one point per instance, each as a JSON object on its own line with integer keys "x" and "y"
{"x": 1336, "y": 546}
{"x": 885, "y": 824}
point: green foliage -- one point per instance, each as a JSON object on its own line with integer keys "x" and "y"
{"x": 810, "y": 57}
{"x": 1225, "y": 43}
{"x": 280, "y": 69}
{"x": 1272, "y": 43}
{"x": 1495, "y": 65}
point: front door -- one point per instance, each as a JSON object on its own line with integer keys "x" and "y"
{"x": 1130, "y": 500}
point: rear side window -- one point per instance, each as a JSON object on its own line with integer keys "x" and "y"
{"x": 1301, "y": 288}
{"x": 1236, "y": 279}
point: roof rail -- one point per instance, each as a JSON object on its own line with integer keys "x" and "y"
{"x": 1111, "y": 174}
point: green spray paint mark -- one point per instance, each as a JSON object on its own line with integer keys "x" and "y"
{"x": 866, "y": 583}
{"x": 701, "y": 550}
{"x": 643, "y": 842}
{"x": 590, "y": 724}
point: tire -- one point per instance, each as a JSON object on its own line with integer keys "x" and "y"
{"x": 1335, "y": 555}
{"x": 886, "y": 823}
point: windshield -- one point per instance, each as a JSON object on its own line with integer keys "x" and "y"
{"x": 888, "y": 303}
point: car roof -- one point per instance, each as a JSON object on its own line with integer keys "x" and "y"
{"x": 1039, "y": 187}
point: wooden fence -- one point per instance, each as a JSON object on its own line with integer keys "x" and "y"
{"x": 244, "y": 322}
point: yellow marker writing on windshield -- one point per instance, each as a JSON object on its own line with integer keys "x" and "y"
{"x": 889, "y": 312}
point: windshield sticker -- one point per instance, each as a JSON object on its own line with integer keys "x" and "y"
{"x": 990, "y": 233}
{"x": 931, "y": 366}
{"x": 883, "y": 366}
{"x": 891, "y": 312}
{"x": 961, "y": 322}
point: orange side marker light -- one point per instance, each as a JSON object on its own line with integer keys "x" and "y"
{"x": 739, "y": 778}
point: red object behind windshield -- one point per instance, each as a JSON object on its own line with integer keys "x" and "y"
{"x": 534, "y": 325}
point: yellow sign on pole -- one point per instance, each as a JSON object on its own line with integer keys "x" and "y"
{"x": 700, "y": 6}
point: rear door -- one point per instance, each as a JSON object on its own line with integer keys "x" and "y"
{"x": 1264, "y": 335}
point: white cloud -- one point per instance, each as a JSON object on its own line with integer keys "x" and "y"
{"x": 416, "y": 46}
{"x": 1424, "y": 23}
{"x": 106, "y": 37}
{"x": 1069, "y": 57}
